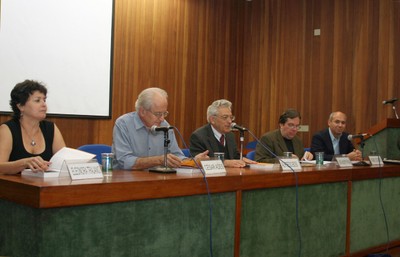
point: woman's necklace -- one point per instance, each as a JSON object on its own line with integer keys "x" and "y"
{"x": 33, "y": 143}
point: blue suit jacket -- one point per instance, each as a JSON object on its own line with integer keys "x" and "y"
{"x": 321, "y": 142}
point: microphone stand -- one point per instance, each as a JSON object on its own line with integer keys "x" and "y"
{"x": 165, "y": 168}
{"x": 241, "y": 144}
{"x": 395, "y": 112}
{"x": 362, "y": 144}
{"x": 362, "y": 162}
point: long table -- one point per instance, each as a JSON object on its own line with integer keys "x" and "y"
{"x": 253, "y": 213}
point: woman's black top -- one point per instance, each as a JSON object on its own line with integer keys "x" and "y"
{"x": 18, "y": 150}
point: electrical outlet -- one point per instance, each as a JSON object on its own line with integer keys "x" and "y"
{"x": 304, "y": 128}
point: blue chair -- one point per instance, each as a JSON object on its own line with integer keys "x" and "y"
{"x": 250, "y": 155}
{"x": 96, "y": 149}
{"x": 251, "y": 145}
{"x": 186, "y": 152}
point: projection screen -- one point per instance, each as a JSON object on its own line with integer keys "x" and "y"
{"x": 67, "y": 45}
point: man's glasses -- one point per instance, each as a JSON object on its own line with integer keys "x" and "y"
{"x": 160, "y": 114}
{"x": 292, "y": 126}
{"x": 226, "y": 117}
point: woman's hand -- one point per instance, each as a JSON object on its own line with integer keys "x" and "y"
{"x": 36, "y": 164}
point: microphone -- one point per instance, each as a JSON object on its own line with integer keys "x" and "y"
{"x": 351, "y": 137}
{"x": 236, "y": 126}
{"x": 155, "y": 128}
{"x": 390, "y": 101}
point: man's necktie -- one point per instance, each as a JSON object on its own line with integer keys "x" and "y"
{"x": 222, "y": 140}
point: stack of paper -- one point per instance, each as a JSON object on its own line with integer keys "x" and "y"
{"x": 57, "y": 161}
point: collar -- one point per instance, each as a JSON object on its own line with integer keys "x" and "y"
{"x": 216, "y": 133}
{"x": 138, "y": 123}
{"x": 332, "y": 136}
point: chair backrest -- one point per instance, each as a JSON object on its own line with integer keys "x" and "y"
{"x": 96, "y": 149}
{"x": 186, "y": 152}
{"x": 251, "y": 145}
{"x": 250, "y": 155}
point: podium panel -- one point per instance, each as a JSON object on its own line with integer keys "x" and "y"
{"x": 385, "y": 140}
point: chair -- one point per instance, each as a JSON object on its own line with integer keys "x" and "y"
{"x": 250, "y": 155}
{"x": 186, "y": 152}
{"x": 251, "y": 145}
{"x": 96, "y": 149}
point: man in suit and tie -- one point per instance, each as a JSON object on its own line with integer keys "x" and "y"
{"x": 333, "y": 140}
{"x": 216, "y": 136}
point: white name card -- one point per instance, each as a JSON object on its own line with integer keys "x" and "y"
{"x": 289, "y": 164}
{"x": 343, "y": 161}
{"x": 213, "y": 167}
{"x": 375, "y": 160}
{"x": 86, "y": 170}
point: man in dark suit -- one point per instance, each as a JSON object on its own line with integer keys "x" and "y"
{"x": 216, "y": 136}
{"x": 333, "y": 140}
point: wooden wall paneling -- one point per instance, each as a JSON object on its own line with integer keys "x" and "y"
{"x": 261, "y": 55}
{"x": 383, "y": 62}
{"x": 394, "y": 55}
{"x": 341, "y": 43}
{"x": 365, "y": 57}
{"x": 252, "y": 63}
{"x": 312, "y": 87}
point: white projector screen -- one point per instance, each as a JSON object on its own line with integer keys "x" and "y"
{"x": 67, "y": 45}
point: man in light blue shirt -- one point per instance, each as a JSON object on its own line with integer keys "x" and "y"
{"x": 333, "y": 140}
{"x": 134, "y": 144}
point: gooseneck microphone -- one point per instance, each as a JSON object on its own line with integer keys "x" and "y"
{"x": 351, "y": 137}
{"x": 390, "y": 101}
{"x": 155, "y": 128}
{"x": 164, "y": 168}
{"x": 236, "y": 126}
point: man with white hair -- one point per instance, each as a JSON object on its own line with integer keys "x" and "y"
{"x": 134, "y": 144}
{"x": 216, "y": 136}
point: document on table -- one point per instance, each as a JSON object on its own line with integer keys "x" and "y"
{"x": 57, "y": 161}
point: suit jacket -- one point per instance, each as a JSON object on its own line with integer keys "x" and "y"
{"x": 275, "y": 142}
{"x": 321, "y": 142}
{"x": 203, "y": 139}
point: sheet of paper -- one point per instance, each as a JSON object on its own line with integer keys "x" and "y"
{"x": 262, "y": 166}
{"x": 57, "y": 160}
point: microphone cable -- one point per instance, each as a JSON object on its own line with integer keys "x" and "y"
{"x": 207, "y": 188}
{"x": 296, "y": 190}
{"x": 381, "y": 202}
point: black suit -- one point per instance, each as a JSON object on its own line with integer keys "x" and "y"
{"x": 321, "y": 142}
{"x": 203, "y": 139}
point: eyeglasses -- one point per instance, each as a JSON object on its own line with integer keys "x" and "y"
{"x": 160, "y": 114}
{"x": 226, "y": 117}
{"x": 292, "y": 126}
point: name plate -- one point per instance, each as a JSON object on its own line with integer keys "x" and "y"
{"x": 213, "y": 167}
{"x": 86, "y": 170}
{"x": 375, "y": 160}
{"x": 343, "y": 161}
{"x": 289, "y": 164}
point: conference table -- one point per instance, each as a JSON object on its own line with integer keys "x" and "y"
{"x": 318, "y": 211}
